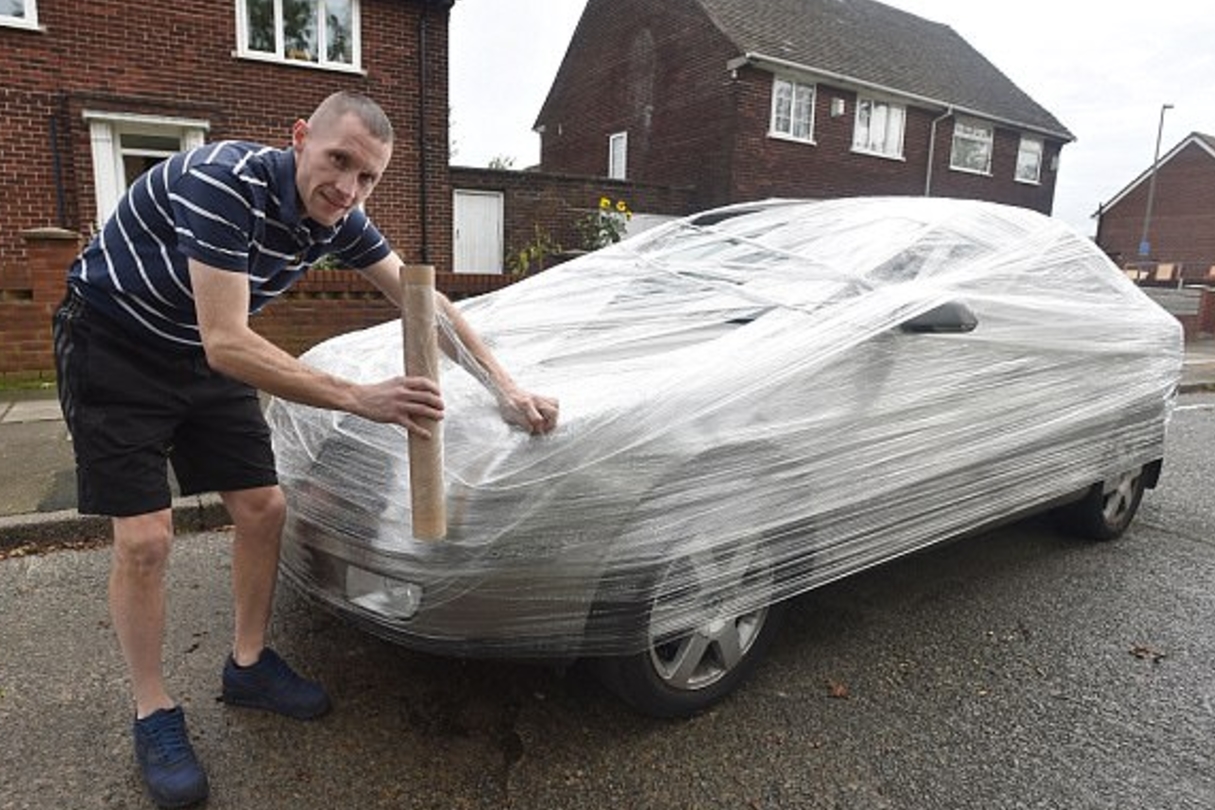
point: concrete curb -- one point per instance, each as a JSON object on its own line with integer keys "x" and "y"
{"x": 195, "y": 513}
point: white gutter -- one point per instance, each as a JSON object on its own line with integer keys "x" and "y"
{"x": 752, "y": 58}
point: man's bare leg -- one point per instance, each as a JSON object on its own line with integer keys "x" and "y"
{"x": 137, "y": 603}
{"x": 258, "y": 516}
{"x": 256, "y": 677}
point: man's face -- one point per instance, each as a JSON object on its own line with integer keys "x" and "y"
{"x": 337, "y": 164}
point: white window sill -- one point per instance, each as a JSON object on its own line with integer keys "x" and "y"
{"x": 23, "y": 24}
{"x": 271, "y": 59}
{"x": 1028, "y": 182}
{"x": 964, "y": 170}
{"x": 870, "y": 153}
{"x": 781, "y": 136}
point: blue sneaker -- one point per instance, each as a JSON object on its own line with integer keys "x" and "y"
{"x": 170, "y": 770}
{"x": 272, "y": 685}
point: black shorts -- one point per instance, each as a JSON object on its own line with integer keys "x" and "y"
{"x": 133, "y": 406}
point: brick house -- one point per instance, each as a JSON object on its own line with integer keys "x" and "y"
{"x": 93, "y": 92}
{"x": 1181, "y": 228}
{"x": 793, "y": 98}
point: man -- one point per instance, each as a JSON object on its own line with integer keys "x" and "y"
{"x": 156, "y": 362}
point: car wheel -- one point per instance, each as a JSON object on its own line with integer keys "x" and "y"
{"x": 706, "y": 628}
{"x": 1108, "y": 507}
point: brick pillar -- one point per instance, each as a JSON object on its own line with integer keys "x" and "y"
{"x": 1206, "y": 312}
{"x": 26, "y": 306}
{"x": 50, "y": 252}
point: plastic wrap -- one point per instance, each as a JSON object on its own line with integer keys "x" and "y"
{"x": 744, "y": 416}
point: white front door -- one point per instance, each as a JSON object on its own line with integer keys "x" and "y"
{"x": 477, "y": 219}
{"x": 126, "y": 144}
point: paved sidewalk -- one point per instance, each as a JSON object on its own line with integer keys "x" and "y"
{"x": 37, "y": 471}
{"x": 38, "y": 479}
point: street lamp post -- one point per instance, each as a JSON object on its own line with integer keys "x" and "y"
{"x": 1145, "y": 247}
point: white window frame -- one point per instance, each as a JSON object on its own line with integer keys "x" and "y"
{"x": 105, "y": 134}
{"x": 979, "y": 134}
{"x": 618, "y": 155}
{"x": 890, "y": 119}
{"x": 29, "y": 18}
{"x": 280, "y": 57}
{"x": 796, "y": 123}
{"x": 1029, "y": 161}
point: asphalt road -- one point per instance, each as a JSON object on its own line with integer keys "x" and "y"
{"x": 1017, "y": 669}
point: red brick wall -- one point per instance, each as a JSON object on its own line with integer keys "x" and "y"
{"x": 331, "y": 302}
{"x": 658, "y": 71}
{"x": 556, "y": 202}
{"x": 116, "y": 56}
{"x": 323, "y": 304}
{"x": 1182, "y": 229}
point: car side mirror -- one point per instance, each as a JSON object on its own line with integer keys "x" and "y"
{"x": 952, "y": 317}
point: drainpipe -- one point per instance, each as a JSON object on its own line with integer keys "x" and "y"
{"x": 444, "y": 7}
{"x": 932, "y": 149}
{"x": 423, "y": 81}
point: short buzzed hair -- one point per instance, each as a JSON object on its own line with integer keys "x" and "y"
{"x": 342, "y": 102}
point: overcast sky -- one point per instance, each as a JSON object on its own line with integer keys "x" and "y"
{"x": 1102, "y": 68}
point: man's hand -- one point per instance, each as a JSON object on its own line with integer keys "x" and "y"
{"x": 532, "y": 412}
{"x": 401, "y": 401}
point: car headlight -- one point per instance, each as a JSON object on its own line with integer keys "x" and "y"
{"x": 383, "y": 595}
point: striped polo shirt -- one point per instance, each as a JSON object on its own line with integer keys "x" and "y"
{"x": 232, "y": 205}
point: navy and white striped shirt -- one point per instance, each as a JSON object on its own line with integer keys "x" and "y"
{"x": 232, "y": 205}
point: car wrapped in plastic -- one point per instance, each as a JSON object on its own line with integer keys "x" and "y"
{"x": 755, "y": 401}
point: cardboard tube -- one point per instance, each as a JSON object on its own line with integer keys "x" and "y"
{"x": 426, "y": 489}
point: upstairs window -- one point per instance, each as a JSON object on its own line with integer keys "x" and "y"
{"x": 1029, "y": 160}
{"x": 792, "y": 110}
{"x": 321, "y": 33}
{"x": 19, "y": 13}
{"x": 879, "y": 128}
{"x": 618, "y": 155}
{"x": 972, "y": 143}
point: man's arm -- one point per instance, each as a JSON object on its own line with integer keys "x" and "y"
{"x": 221, "y": 299}
{"x": 535, "y": 413}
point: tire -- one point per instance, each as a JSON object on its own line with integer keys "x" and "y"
{"x": 1108, "y": 507}
{"x": 701, "y": 646}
